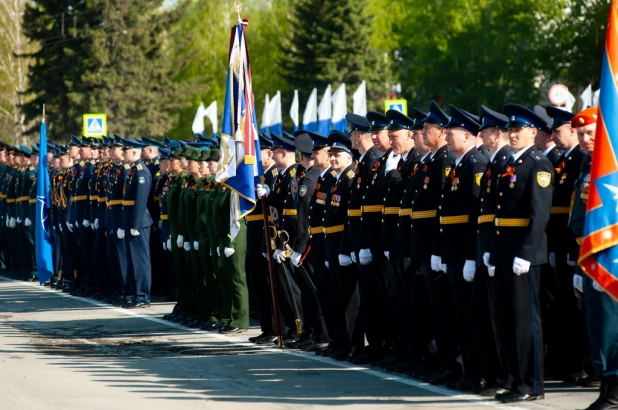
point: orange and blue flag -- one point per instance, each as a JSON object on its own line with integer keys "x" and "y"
{"x": 599, "y": 251}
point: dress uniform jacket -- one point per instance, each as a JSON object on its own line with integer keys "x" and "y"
{"x": 118, "y": 175}
{"x": 161, "y": 191}
{"x": 459, "y": 209}
{"x": 336, "y": 215}
{"x": 299, "y": 237}
{"x": 93, "y": 190}
{"x": 397, "y": 182}
{"x": 135, "y": 213}
{"x": 362, "y": 176}
{"x": 522, "y": 210}
{"x": 153, "y": 201}
{"x": 277, "y": 198}
{"x": 28, "y": 180}
{"x": 554, "y": 155}
{"x": 316, "y": 214}
{"x": 80, "y": 197}
{"x": 255, "y": 220}
{"x": 173, "y": 200}
{"x": 425, "y": 224}
{"x": 372, "y": 205}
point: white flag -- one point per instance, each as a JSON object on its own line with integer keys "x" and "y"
{"x": 570, "y": 101}
{"x": 340, "y": 109}
{"x": 294, "y": 110}
{"x": 586, "y": 97}
{"x": 595, "y": 98}
{"x": 213, "y": 116}
{"x": 198, "y": 121}
{"x": 325, "y": 112}
{"x": 310, "y": 117}
{"x": 274, "y": 108}
{"x": 360, "y": 99}
{"x": 266, "y": 115}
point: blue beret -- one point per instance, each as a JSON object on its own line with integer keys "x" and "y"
{"x": 491, "y": 118}
{"x": 459, "y": 119}
{"x": 378, "y": 121}
{"x": 398, "y": 121}
{"x": 339, "y": 142}
{"x": 521, "y": 117}
{"x": 358, "y": 123}
{"x": 436, "y": 115}
{"x": 559, "y": 117}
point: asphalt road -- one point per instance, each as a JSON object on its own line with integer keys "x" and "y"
{"x": 62, "y": 352}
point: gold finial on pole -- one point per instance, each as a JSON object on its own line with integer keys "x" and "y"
{"x": 238, "y": 8}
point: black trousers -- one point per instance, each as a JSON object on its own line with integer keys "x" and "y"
{"x": 520, "y": 331}
{"x": 342, "y": 281}
{"x": 288, "y": 295}
{"x": 260, "y": 288}
{"x": 443, "y": 317}
{"x": 372, "y": 309}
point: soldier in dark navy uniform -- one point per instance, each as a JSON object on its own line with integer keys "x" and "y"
{"x": 562, "y": 318}
{"x": 135, "y": 227}
{"x": 544, "y": 141}
{"x": 496, "y": 139}
{"x": 458, "y": 214}
{"x": 519, "y": 248}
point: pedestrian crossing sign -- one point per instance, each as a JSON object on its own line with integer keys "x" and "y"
{"x": 397, "y": 105}
{"x": 95, "y": 125}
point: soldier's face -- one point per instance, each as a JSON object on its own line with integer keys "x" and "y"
{"x": 419, "y": 144}
{"x": 164, "y": 165}
{"x": 340, "y": 161}
{"x": 458, "y": 140}
{"x": 585, "y": 136}
{"x": 491, "y": 136}
{"x": 73, "y": 152}
{"x": 521, "y": 138}
{"x": 267, "y": 158}
{"x": 183, "y": 163}
{"x": 10, "y": 159}
{"x": 85, "y": 153}
{"x": 431, "y": 135}
{"x": 193, "y": 167}
{"x": 116, "y": 153}
{"x": 401, "y": 141}
{"x": 203, "y": 166}
{"x": 150, "y": 152}
{"x": 2, "y": 157}
{"x": 380, "y": 140}
{"x": 65, "y": 161}
{"x": 563, "y": 136}
{"x": 175, "y": 165}
{"x": 212, "y": 167}
{"x": 34, "y": 160}
{"x": 56, "y": 163}
{"x": 321, "y": 158}
{"x": 280, "y": 156}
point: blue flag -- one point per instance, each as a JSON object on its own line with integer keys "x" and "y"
{"x": 42, "y": 233}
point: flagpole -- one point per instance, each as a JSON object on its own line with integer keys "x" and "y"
{"x": 271, "y": 272}
{"x": 238, "y": 8}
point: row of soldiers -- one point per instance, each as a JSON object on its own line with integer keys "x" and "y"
{"x": 440, "y": 246}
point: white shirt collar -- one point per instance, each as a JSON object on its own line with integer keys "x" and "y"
{"x": 566, "y": 154}
{"x": 548, "y": 149}
{"x": 362, "y": 156}
{"x": 282, "y": 172}
{"x": 425, "y": 156}
{"x": 458, "y": 159}
{"x": 518, "y": 154}
{"x": 324, "y": 172}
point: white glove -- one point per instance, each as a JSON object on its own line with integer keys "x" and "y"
{"x": 180, "y": 241}
{"x": 264, "y": 254}
{"x": 134, "y": 232}
{"x": 187, "y": 246}
{"x": 552, "y": 259}
{"x": 60, "y": 227}
{"x": 228, "y": 252}
{"x": 77, "y": 223}
{"x": 486, "y": 256}
{"x": 365, "y": 257}
{"x": 345, "y": 260}
{"x": 160, "y": 224}
{"x": 96, "y": 223}
{"x": 443, "y": 267}
{"x": 70, "y": 227}
{"x": 262, "y": 190}
{"x": 296, "y": 256}
{"x": 218, "y": 251}
{"x": 353, "y": 256}
{"x": 469, "y": 270}
{"x": 327, "y": 264}
{"x": 520, "y": 266}
{"x": 279, "y": 256}
{"x": 27, "y": 222}
{"x": 436, "y": 261}
{"x": 120, "y": 233}
{"x": 391, "y": 162}
{"x": 597, "y": 287}
{"x": 570, "y": 262}
{"x": 388, "y": 255}
{"x": 86, "y": 223}
{"x": 164, "y": 246}
{"x": 578, "y": 283}
{"x": 491, "y": 271}
{"x": 18, "y": 220}
{"x": 196, "y": 245}
{"x": 169, "y": 244}
{"x": 12, "y": 223}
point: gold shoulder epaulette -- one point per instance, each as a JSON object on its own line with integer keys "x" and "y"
{"x": 350, "y": 174}
{"x": 127, "y": 166}
{"x": 333, "y": 173}
{"x": 139, "y": 167}
{"x": 274, "y": 172}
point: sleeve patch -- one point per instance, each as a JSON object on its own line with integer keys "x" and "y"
{"x": 543, "y": 179}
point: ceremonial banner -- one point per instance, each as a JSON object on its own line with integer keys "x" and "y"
{"x": 240, "y": 153}
{"x": 599, "y": 253}
{"x": 42, "y": 233}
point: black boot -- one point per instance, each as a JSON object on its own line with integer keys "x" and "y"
{"x": 608, "y": 397}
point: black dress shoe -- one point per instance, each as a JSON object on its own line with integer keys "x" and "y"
{"x": 340, "y": 355}
{"x": 253, "y": 339}
{"x": 588, "y": 382}
{"x": 314, "y": 346}
{"x": 445, "y": 377}
{"x": 453, "y": 384}
{"x": 490, "y": 391}
{"x": 471, "y": 384}
{"x": 130, "y": 304}
{"x": 266, "y": 340}
{"x": 142, "y": 304}
{"x": 229, "y": 329}
{"x": 514, "y": 397}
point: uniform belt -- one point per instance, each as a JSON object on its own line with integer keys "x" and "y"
{"x": 405, "y": 212}
{"x": 290, "y": 212}
{"x": 94, "y": 198}
{"x": 390, "y": 211}
{"x": 128, "y": 203}
{"x": 317, "y": 230}
{"x": 372, "y": 208}
{"x": 424, "y": 214}
{"x": 255, "y": 218}
{"x": 79, "y": 198}
{"x": 2, "y": 196}
{"x": 156, "y": 198}
{"x": 453, "y": 220}
{"x": 163, "y": 217}
{"x": 10, "y": 201}
{"x": 333, "y": 229}
{"x": 355, "y": 212}
{"x": 114, "y": 202}
{"x": 512, "y": 222}
{"x": 23, "y": 198}
{"x": 560, "y": 210}
{"x": 486, "y": 218}
{"x": 32, "y": 201}
{"x": 102, "y": 199}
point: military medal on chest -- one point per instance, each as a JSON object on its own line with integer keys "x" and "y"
{"x": 426, "y": 181}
